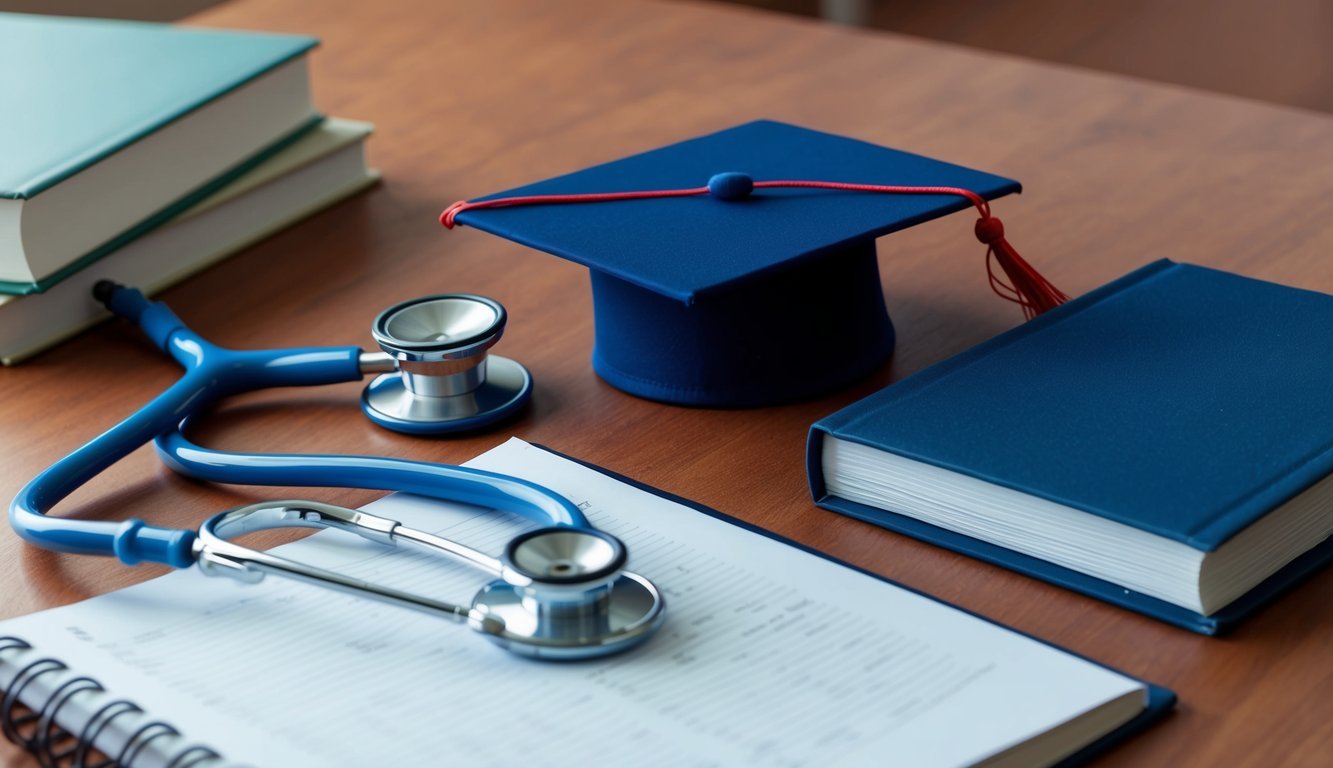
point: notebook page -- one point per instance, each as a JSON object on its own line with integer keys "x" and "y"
{"x": 769, "y": 656}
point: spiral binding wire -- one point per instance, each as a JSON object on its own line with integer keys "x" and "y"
{"x": 94, "y": 727}
{"x": 37, "y": 730}
{"x": 192, "y": 757}
{"x": 53, "y": 744}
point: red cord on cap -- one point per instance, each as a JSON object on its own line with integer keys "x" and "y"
{"x": 1025, "y": 286}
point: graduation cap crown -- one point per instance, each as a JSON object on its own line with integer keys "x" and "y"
{"x": 761, "y": 286}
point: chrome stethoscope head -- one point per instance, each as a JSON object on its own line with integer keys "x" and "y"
{"x": 562, "y": 592}
{"x": 438, "y": 376}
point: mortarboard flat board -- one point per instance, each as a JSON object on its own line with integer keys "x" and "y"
{"x": 736, "y": 299}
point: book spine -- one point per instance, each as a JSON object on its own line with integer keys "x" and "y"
{"x": 814, "y": 460}
{"x": 35, "y": 725}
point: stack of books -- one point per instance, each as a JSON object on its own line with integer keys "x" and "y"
{"x": 143, "y": 153}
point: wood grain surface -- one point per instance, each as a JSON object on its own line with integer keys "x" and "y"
{"x": 470, "y": 98}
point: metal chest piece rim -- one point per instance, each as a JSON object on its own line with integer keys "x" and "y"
{"x": 445, "y": 380}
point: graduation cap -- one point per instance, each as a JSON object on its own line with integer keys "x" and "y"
{"x": 739, "y": 268}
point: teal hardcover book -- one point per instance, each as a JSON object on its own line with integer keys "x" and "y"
{"x": 110, "y": 125}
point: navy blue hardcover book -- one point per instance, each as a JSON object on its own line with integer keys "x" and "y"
{"x": 1164, "y": 443}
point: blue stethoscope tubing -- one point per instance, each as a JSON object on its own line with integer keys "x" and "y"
{"x": 211, "y": 374}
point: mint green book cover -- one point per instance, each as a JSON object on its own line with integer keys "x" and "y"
{"x": 77, "y": 90}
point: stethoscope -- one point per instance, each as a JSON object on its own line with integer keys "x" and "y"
{"x": 561, "y": 592}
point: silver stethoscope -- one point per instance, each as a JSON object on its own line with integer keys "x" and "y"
{"x": 561, "y": 591}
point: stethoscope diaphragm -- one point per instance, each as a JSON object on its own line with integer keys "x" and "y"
{"x": 439, "y": 377}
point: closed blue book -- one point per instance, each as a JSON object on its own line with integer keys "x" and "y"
{"x": 1164, "y": 443}
{"x": 110, "y": 127}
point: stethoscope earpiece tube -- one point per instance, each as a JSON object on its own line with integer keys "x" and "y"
{"x": 562, "y": 594}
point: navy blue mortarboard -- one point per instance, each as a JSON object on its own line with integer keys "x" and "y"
{"x": 739, "y": 268}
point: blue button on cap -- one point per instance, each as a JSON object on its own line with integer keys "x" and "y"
{"x": 731, "y": 185}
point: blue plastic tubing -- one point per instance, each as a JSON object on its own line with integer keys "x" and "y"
{"x": 212, "y": 373}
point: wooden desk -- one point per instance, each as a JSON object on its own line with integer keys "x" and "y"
{"x": 471, "y": 97}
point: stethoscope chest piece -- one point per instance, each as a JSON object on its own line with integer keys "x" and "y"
{"x": 445, "y": 381}
{"x": 564, "y": 595}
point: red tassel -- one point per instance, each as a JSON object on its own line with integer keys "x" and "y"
{"x": 1026, "y": 286}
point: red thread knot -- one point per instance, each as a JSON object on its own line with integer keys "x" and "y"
{"x": 990, "y": 230}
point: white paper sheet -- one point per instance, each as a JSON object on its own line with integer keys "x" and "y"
{"x": 770, "y": 656}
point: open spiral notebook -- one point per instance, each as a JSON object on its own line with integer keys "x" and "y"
{"x": 770, "y": 656}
